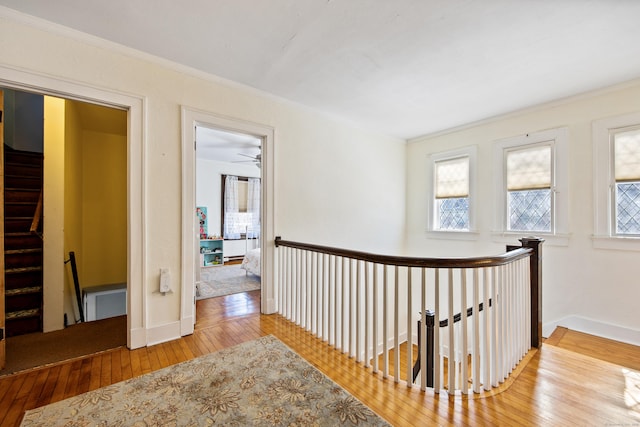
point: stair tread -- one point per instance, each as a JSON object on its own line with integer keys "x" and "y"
{"x": 22, "y": 269}
{"x": 22, "y": 251}
{"x": 22, "y": 291}
{"x": 32, "y": 312}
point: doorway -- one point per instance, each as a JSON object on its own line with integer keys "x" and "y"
{"x": 228, "y": 199}
{"x": 192, "y": 120}
{"x": 83, "y": 211}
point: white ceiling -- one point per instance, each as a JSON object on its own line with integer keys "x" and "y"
{"x": 402, "y": 67}
{"x": 226, "y": 146}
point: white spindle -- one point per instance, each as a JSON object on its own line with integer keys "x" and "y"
{"x": 463, "y": 331}
{"x": 336, "y": 303}
{"x": 385, "y": 323}
{"x": 396, "y": 328}
{"x": 475, "y": 364}
{"x": 351, "y": 308}
{"x": 375, "y": 300}
{"x": 486, "y": 335}
{"x": 366, "y": 315}
{"x": 358, "y": 314}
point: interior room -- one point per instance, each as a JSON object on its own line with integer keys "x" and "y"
{"x": 449, "y": 215}
{"x": 228, "y": 210}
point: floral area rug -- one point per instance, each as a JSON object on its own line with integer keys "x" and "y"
{"x": 260, "y": 382}
{"x": 225, "y": 280}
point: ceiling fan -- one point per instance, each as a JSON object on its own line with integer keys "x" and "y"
{"x": 255, "y": 159}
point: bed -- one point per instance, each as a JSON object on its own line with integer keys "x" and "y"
{"x": 251, "y": 261}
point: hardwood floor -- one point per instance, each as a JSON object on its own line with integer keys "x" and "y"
{"x": 556, "y": 387}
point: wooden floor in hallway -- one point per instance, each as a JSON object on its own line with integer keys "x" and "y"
{"x": 557, "y": 387}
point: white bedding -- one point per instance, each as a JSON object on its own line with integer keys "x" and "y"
{"x": 251, "y": 261}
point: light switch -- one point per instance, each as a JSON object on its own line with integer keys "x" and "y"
{"x": 165, "y": 280}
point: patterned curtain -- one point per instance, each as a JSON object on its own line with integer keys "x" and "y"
{"x": 231, "y": 216}
{"x": 253, "y": 207}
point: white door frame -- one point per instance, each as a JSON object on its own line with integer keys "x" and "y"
{"x": 190, "y": 119}
{"x": 136, "y": 194}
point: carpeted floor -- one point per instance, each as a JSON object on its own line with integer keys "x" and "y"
{"x": 38, "y": 349}
{"x": 225, "y": 280}
{"x": 258, "y": 383}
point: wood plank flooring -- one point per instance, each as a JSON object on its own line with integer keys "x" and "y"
{"x": 556, "y": 387}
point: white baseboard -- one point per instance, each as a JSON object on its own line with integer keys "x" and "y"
{"x": 163, "y": 333}
{"x": 137, "y": 338}
{"x": 594, "y": 327}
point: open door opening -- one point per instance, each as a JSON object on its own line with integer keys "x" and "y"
{"x": 80, "y": 201}
{"x": 228, "y": 200}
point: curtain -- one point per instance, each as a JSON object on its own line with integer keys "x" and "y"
{"x": 231, "y": 208}
{"x": 253, "y": 208}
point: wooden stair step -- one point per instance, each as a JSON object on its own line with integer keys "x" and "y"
{"x": 11, "y": 315}
{"x": 22, "y": 251}
{"x": 23, "y": 291}
{"x": 22, "y": 270}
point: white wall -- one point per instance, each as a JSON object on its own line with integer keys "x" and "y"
{"x": 335, "y": 183}
{"x": 584, "y": 288}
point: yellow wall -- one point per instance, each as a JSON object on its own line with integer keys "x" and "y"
{"x": 85, "y": 205}
{"x": 53, "y": 213}
{"x": 104, "y": 208}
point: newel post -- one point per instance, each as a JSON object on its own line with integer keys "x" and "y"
{"x": 535, "y": 268}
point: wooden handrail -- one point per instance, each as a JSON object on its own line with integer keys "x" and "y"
{"x": 474, "y": 262}
{"x": 36, "y": 216}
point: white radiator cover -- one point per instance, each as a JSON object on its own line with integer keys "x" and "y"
{"x": 104, "y": 301}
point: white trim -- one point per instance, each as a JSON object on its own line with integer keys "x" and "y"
{"x": 472, "y": 153}
{"x": 163, "y": 333}
{"x": 594, "y": 327}
{"x": 190, "y": 119}
{"x": 559, "y": 141}
{"x": 136, "y": 167}
{"x": 603, "y": 220}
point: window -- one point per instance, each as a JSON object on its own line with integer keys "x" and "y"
{"x": 626, "y": 153}
{"x": 450, "y": 203}
{"x": 531, "y": 184}
{"x": 617, "y": 182}
{"x": 529, "y": 189}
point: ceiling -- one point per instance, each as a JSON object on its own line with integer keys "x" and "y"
{"x": 404, "y": 67}
{"x": 226, "y": 146}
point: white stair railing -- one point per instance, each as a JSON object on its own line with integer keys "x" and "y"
{"x": 369, "y": 306}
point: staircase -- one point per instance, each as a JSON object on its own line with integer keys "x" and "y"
{"x": 22, "y": 246}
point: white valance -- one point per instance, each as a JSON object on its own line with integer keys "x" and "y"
{"x": 452, "y": 178}
{"x": 529, "y": 168}
{"x": 627, "y": 155}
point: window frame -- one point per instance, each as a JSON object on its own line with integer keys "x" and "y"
{"x": 604, "y": 234}
{"x": 558, "y": 140}
{"x": 471, "y": 152}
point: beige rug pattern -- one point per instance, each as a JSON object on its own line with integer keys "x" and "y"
{"x": 257, "y": 383}
{"x": 225, "y": 280}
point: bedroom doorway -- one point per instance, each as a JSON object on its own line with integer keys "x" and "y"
{"x": 192, "y": 120}
{"x": 228, "y": 200}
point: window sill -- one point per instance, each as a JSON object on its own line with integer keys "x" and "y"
{"x": 549, "y": 239}
{"x": 617, "y": 243}
{"x": 452, "y": 235}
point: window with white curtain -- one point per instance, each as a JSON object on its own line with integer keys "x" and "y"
{"x": 451, "y": 192}
{"x": 241, "y": 207}
{"x": 531, "y": 185}
{"x": 529, "y": 178}
{"x": 626, "y": 175}
{"x": 616, "y": 150}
